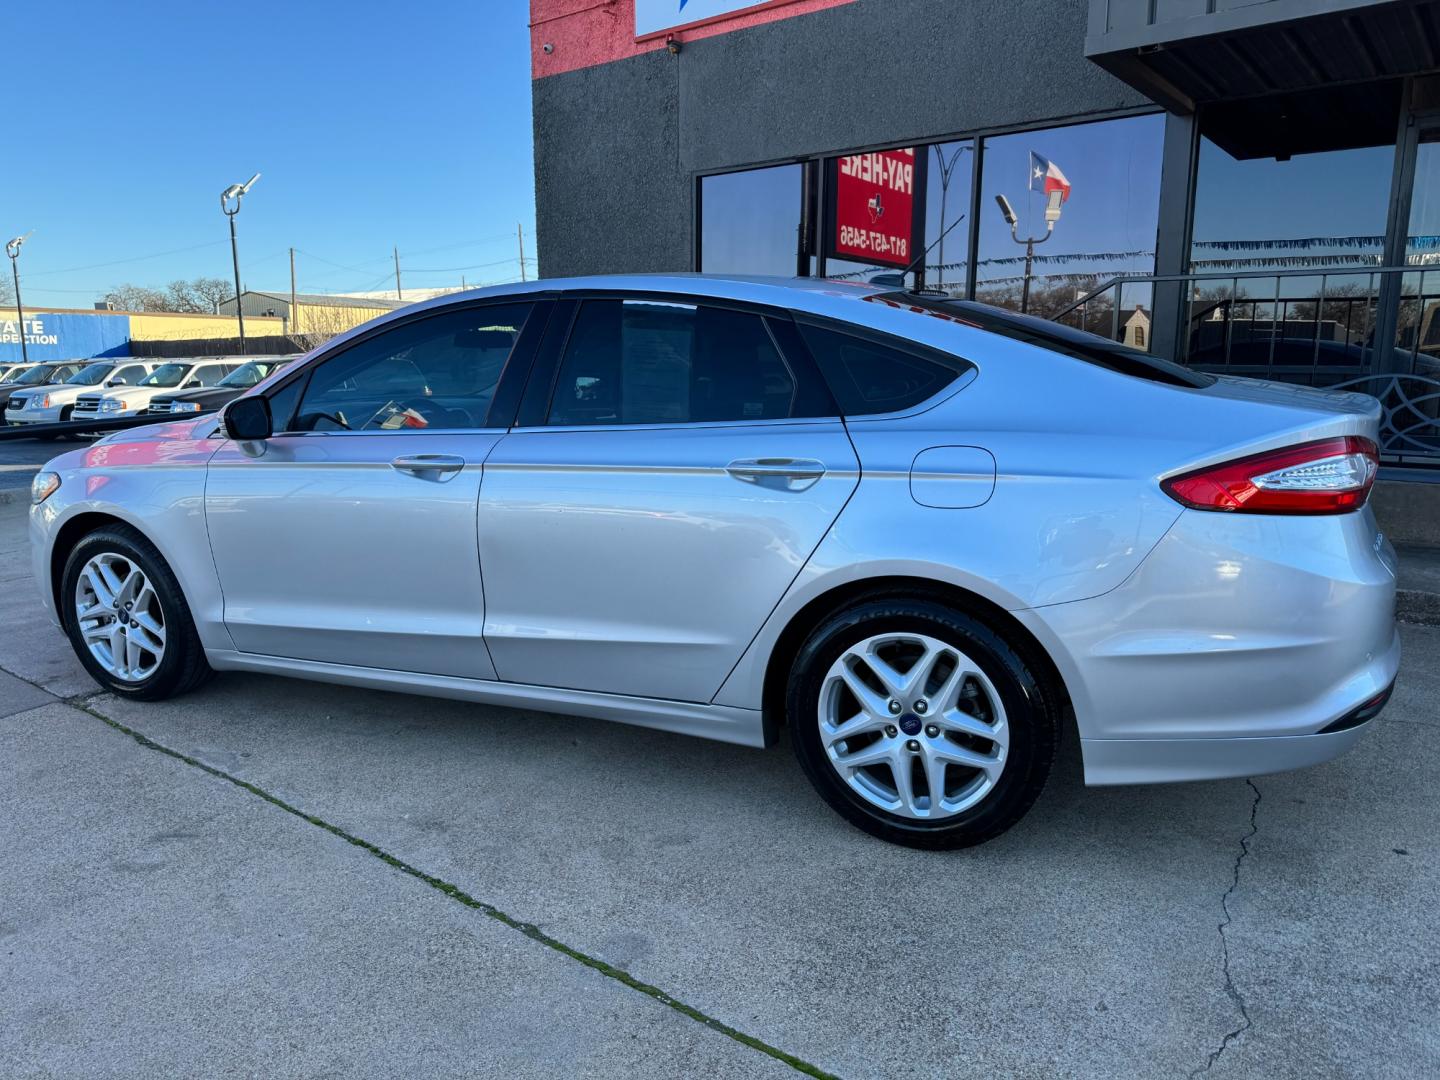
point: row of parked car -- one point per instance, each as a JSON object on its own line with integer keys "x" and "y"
{"x": 111, "y": 389}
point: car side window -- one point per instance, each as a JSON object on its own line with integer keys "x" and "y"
{"x": 660, "y": 362}
{"x": 437, "y": 373}
{"x": 131, "y": 373}
{"x": 869, "y": 378}
{"x": 209, "y": 375}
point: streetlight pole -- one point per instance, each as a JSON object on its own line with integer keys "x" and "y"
{"x": 1052, "y": 215}
{"x": 947, "y": 170}
{"x": 230, "y": 204}
{"x": 13, "y": 250}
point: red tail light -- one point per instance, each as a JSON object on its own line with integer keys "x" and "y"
{"x": 1330, "y": 476}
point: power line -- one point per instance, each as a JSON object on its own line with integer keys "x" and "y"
{"x": 124, "y": 262}
{"x": 457, "y": 269}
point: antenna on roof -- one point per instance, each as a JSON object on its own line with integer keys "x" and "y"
{"x": 920, "y": 259}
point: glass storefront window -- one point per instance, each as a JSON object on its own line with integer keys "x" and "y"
{"x": 1307, "y": 218}
{"x": 1108, "y": 175}
{"x": 1312, "y": 211}
{"x": 948, "y": 171}
{"x": 1417, "y": 328}
{"x": 750, "y": 221}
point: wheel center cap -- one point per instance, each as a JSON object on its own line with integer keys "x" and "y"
{"x": 910, "y": 724}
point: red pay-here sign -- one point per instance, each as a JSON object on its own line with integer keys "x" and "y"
{"x": 875, "y": 207}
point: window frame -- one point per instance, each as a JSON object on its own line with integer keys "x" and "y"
{"x": 544, "y": 378}
{"x": 507, "y": 390}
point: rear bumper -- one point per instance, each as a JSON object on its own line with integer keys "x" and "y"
{"x": 1168, "y": 761}
{"x": 1231, "y": 649}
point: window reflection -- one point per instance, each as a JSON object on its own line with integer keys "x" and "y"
{"x": 947, "y": 203}
{"x": 1312, "y": 211}
{"x": 1417, "y": 329}
{"x": 1308, "y": 218}
{"x": 1106, "y": 226}
{"x": 750, "y": 221}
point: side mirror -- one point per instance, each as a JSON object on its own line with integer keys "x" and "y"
{"x": 117, "y": 381}
{"x": 247, "y": 419}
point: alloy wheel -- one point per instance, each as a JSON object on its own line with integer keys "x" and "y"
{"x": 119, "y": 617}
{"x": 913, "y": 726}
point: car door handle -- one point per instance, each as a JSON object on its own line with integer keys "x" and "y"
{"x": 793, "y": 474}
{"x": 426, "y": 464}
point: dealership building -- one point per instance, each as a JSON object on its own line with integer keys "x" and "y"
{"x": 1244, "y": 185}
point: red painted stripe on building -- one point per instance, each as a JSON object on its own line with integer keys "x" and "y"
{"x": 585, "y": 33}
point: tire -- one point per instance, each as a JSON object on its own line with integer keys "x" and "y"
{"x": 181, "y": 665}
{"x": 1005, "y": 715}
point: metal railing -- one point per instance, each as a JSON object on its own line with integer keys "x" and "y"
{"x": 1373, "y": 329}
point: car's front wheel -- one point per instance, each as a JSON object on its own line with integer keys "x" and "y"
{"x": 127, "y": 618}
{"x": 920, "y": 723}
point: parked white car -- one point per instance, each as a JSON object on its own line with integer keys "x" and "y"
{"x": 53, "y": 404}
{"x": 11, "y": 372}
{"x": 126, "y": 401}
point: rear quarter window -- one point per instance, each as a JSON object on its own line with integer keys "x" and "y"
{"x": 869, "y": 377}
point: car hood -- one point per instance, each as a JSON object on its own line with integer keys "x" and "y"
{"x": 169, "y": 431}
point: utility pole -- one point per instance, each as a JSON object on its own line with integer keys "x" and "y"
{"x": 13, "y": 250}
{"x": 398, "y": 294}
{"x": 520, "y": 232}
{"x": 294, "y": 328}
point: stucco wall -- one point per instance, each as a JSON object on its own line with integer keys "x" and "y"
{"x": 617, "y": 145}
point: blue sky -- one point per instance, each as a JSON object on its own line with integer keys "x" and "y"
{"x": 373, "y": 125}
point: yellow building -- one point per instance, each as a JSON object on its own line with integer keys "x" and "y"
{"x": 173, "y": 326}
{"x": 315, "y": 313}
{"x": 77, "y": 333}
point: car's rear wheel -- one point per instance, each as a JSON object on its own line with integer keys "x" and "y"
{"x": 920, "y": 723}
{"x": 127, "y": 618}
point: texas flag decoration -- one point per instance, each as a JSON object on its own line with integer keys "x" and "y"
{"x": 1045, "y": 176}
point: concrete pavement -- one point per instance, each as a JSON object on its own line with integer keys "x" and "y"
{"x": 1270, "y": 929}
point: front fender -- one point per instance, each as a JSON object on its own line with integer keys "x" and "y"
{"x": 156, "y": 486}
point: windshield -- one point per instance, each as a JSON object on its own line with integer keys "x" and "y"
{"x": 37, "y": 376}
{"x": 249, "y": 374}
{"x": 1091, "y": 348}
{"x": 167, "y": 375}
{"x": 90, "y": 375}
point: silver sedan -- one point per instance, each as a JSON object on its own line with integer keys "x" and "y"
{"x": 928, "y": 537}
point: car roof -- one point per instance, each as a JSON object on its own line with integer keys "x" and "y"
{"x": 802, "y": 292}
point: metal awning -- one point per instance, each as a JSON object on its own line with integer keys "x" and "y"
{"x": 1273, "y": 77}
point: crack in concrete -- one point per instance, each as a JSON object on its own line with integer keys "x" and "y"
{"x": 84, "y": 702}
{"x": 1231, "y": 990}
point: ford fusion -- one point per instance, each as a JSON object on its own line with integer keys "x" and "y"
{"x": 930, "y": 538}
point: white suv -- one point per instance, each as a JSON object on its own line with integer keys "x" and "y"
{"x": 126, "y": 401}
{"x": 54, "y": 404}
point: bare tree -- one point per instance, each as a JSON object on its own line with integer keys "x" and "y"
{"x": 211, "y": 291}
{"x": 181, "y": 296}
{"x": 129, "y": 297}
{"x": 200, "y": 295}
